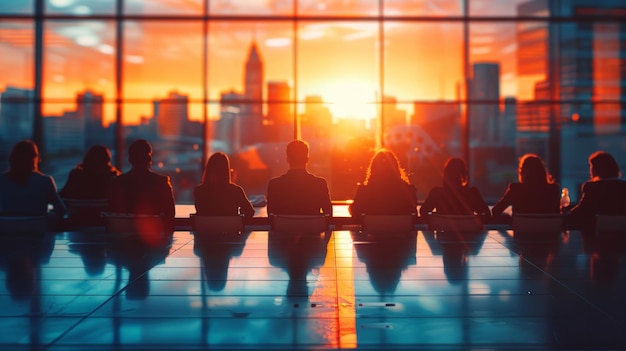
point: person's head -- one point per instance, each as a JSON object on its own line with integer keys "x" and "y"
{"x": 98, "y": 157}
{"x": 140, "y": 153}
{"x": 532, "y": 170}
{"x": 455, "y": 173}
{"x": 602, "y": 165}
{"x": 297, "y": 153}
{"x": 23, "y": 160}
{"x": 217, "y": 170}
{"x": 384, "y": 167}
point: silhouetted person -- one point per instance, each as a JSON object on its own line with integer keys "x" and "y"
{"x": 604, "y": 193}
{"x": 217, "y": 195}
{"x": 386, "y": 189}
{"x": 142, "y": 191}
{"x": 455, "y": 197}
{"x": 216, "y": 251}
{"x": 91, "y": 178}
{"x": 536, "y": 192}
{"x": 24, "y": 190}
{"x": 298, "y": 192}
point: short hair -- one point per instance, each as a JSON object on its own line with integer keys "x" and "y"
{"x": 603, "y": 165}
{"x": 455, "y": 173}
{"x": 297, "y": 152}
{"x": 140, "y": 152}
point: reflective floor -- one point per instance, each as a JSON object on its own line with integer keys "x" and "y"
{"x": 345, "y": 290}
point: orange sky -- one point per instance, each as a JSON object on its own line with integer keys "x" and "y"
{"x": 337, "y": 60}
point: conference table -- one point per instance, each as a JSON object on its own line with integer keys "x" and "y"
{"x": 342, "y": 289}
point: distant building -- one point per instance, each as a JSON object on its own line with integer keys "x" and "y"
{"x": 484, "y": 110}
{"x": 16, "y": 115}
{"x": 171, "y": 115}
{"x": 90, "y": 109}
{"x": 316, "y": 120}
{"x": 278, "y": 123}
{"x": 65, "y": 134}
{"x": 252, "y": 110}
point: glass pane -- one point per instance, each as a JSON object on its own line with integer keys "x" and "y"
{"x": 164, "y": 7}
{"x": 80, "y": 7}
{"x": 163, "y": 72}
{"x": 508, "y": 8}
{"x": 434, "y": 8}
{"x": 351, "y": 8}
{"x": 494, "y": 76}
{"x": 592, "y": 75}
{"x": 249, "y": 63}
{"x": 78, "y": 87}
{"x": 16, "y": 84}
{"x": 423, "y": 70}
{"x": 338, "y": 89}
{"x": 17, "y": 7}
{"x": 251, "y": 7}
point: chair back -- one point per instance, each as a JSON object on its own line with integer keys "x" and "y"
{"x": 388, "y": 224}
{"x": 299, "y": 223}
{"x": 86, "y": 204}
{"x": 217, "y": 224}
{"x": 131, "y": 223}
{"x": 23, "y": 224}
{"x": 607, "y": 223}
{"x": 537, "y": 223}
{"x": 455, "y": 223}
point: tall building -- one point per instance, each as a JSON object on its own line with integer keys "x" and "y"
{"x": 228, "y": 127}
{"x": 171, "y": 114}
{"x": 16, "y": 115}
{"x": 65, "y": 134}
{"x": 89, "y": 108}
{"x": 252, "y": 113}
{"x": 484, "y": 116}
{"x": 316, "y": 119}
{"x": 279, "y": 120}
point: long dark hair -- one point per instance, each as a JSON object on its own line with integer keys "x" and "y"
{"x": 385, "y": 168}
{"x": 217, "y": 170}
{"x": 23, "y": 161}
{"x": 97, "y": 159}
{"x": 532, "y": 170}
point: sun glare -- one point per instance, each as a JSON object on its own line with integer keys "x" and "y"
{"x": 351, "y": 100}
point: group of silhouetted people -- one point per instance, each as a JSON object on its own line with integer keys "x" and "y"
{"x": 386, "y": 189}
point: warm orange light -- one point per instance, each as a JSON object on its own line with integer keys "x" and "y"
{"x": 575, "y": 117}
{"x": 354, "y": 100}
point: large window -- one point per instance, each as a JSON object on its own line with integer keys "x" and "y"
{"x": 486, "y": 80}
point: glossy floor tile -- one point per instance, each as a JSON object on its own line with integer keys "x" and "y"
{"x": 345, "y": 290}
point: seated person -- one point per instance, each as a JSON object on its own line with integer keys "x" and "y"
{"x": 536, "y": 192}
{"x": 141, "y": 191}
{"x": 604, "y": 193}
{"x": 90, "y": 179}
{"x": 217, "y": 195}
{"x": 24, "y": 190}
{"x": 455, "y": 197}
{"x": 298, "y": 192}
{"x": 386, "y": 189}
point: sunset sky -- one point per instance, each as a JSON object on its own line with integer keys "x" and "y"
{"x": 338, "y": 60}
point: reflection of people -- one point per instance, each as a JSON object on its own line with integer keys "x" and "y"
{"x": 90, "y": 179}
{"x": 604, "y": 193}
{"x": 456, "y": 247}
{"x": 298, "y": 255}
{"x": 141, "y": 190}
{"x": 386, "y": 189}
{"x": 217, "y": 195}
{"x": 298, "y": 192}
{"x": 455, "y": 197}
{"x": 385, "y": 259}
{"x": 536, "y": 192}
{"x": 24, "y": 190}
{"x": 215, "y": 251}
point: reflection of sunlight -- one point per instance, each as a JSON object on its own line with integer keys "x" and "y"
{"x": 277, "y": 42}
{"x": 61, "y": 3}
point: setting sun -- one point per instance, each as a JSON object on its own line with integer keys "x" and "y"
{"x": 356, "y": 100}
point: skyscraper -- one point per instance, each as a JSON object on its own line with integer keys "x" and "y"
{"x": 172, "y": 114}
{"x": 252, "y": 113}
{"x": 89, "y": 108}
{"x": 279, "y": 116}
{"x": 485, "y": 111}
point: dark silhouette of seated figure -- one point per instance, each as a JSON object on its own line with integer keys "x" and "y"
{"x": 386, "y": 189}
{"x": 536, "y": 192}
{"x": 298, "y": 192}
{"x": 24, "y": 190}
{"x": 217, "y": 195}
{"x": 90, "y": 179}
{"x": 455, "y": 197}
{"x": 603, "y": 194}
{"x": 216, "y": 251}
{"x": 142, "y": 191}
